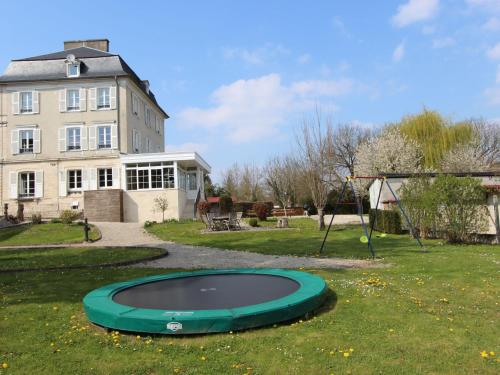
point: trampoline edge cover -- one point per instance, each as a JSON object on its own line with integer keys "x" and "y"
{"x": 205, "y": 301}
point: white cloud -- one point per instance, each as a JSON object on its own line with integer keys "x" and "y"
{"x": 340, "y": 27}
{"x": 494, "y": 52}
{"x": 415, "y": 11}
{"x": 493, "y": 24}
{"x": 399, "y": 52}
{"x": 255, "y": 108}
{"x": 498, "y": 74}
{"x": 443, "y": 42}
{"x": 187, "y": 147}
{"x": 304, "y": 59}
{"x": 255, "y": 56}
{"x": 428, "y": 29}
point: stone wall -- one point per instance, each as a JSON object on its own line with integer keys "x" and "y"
{"x": 103, "y": 205}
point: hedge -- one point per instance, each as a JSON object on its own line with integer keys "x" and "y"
{"x": 388, "y": 221}
{"x": 247, "y": 208}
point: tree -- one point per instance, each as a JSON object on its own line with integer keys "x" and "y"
{"x": 346, "y": 140}
{"x": 243, "y": 182}
{"x": 486, "y": 140}
{"x": 317, "y": 159}
{"x": 161, "y": 204}
{"x": 230, "y": 179}
{"x": 463, "y": 158}
{"x": 279, "y": 174}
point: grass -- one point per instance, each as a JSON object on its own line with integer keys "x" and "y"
{"x": 11, "y": 259}
{"x": 47, "y": 233}
{"x": 302, "y": 239}
{"x": 427, "y": 313}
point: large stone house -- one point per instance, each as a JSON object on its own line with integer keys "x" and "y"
{"x": 80, "y": 130}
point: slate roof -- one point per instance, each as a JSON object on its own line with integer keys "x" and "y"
{"x": 93, "y": 64}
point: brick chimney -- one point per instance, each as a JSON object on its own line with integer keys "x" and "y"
{"x": 100, "y": 44}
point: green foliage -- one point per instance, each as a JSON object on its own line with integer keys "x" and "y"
{"x": 36, "y": 218}
{"x": 49, "y": 233}
{"x": 68, "y": 216}
{"x": 253, "y": 222}
{"x": 147, "y": 224}
{"x": 435, "y": 134}
{"x": 419, "y": 201}
{"x": 387, "y": 221}
{"x": 225, "y": 204}
{"x": 261, "y": 211}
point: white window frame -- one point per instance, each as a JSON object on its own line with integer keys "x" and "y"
{"x": 68, "y": 129}
{"x": 105, "y": 145}
{"x": 74, "y": 189}
{"x": 21, "y": 102}
{"x": 135, "y": 105}
{"x": 76, "y": 108}
{"x": 108, "y": 105}
{"x": 73, "y": 64}
{"x": 27, "y": 195}
{"x": 147, "y": 167}
{"x": 108, "y": 178}
{"x": 26, "y": 150}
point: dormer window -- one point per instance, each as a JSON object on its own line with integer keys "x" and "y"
{"x": 72, "y": 66}
{"x": 73, "y": 70}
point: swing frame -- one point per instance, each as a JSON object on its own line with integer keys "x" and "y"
{"x": 383, "y": 179}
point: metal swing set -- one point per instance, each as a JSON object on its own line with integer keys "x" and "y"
{"x": 368, "y": 235}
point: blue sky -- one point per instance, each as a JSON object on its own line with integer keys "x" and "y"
{"x": 237, "y": 77}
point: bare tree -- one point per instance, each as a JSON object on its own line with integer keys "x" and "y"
{"x": 486, "y": 140}
{"x": 250, "y": 184}
{"x": 317, "y": 157}
{"x": 346, "y": 140}
{"x": 280, "y": 174}
{"x": 231, "y": 178}
{"x": 161, "y": 204}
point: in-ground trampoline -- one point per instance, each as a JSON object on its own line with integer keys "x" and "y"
{"x": 205, "y": 301}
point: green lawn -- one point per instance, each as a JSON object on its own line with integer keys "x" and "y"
{"x": 426, "y": 313}
{"x": 302, "y": 239}
{"x": 47, "y": 233}
{"x": 71, "y": 256}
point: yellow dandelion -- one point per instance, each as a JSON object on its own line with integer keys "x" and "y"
{"x": 492, "y": 354}
{"x": 346, "y": 354}
{"x": 138, "y": 337}
{"x": 351, "y": 350}
{"x": 203, "y": 358}
{"x": 5, "y": 365}
{"x": 484, "y": 354}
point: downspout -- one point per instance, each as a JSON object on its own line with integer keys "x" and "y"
{"x": 3, "y": 124}
{"x": 118, "y": 132}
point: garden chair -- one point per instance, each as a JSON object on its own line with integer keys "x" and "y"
{"x": 234, "y": 220}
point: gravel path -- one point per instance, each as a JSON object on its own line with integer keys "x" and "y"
{"x": 186, "y": 256}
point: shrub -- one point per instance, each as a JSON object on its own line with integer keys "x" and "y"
{"x": 261, "y": 210}
{"x": 388, "y": 221}
{"x": 36, "y": 218}
{"x": 161, "y": 204}
{"x": 148, "y": 224}
{"x": 247, "y": 207}
{"x": 253, "y": 222}
{"x": 55, "y": 221}
{"x": 203, "y": 207}
{"x": 225, "y": 204}
{"x": 68, "y": 216}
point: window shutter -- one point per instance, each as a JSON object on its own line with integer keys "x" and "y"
{"x": 83, "y": 138}
{"x": 36, "y": 105}
{"x": 93, "y": 178}
{"x": 83, "y": 100}
{"x": 15, "y": 103}
{"x": 85, "y": 179}
{"x": 116, "y": 177}
{"x": 62, "y": 100}
{"x": 37, "y": 141}
{"x": 114, "y": 136}
{"x": 63, "y": 191}
{"x": 139, "y": 145}
{"x": 38, "y": 184}
{"x": 93, "y": 99}
{"x": 93, "y": 138}
{"x": 13, "y": 185}
{"x": 15, "y": 141}
{"x": 62, "y": 139}
{"x": 146, "y": 110}
{"x": 112, "y": 97}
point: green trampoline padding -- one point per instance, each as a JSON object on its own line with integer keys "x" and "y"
{"x": 205, "y": 301}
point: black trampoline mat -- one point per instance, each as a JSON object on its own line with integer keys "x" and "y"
{"x": 207, "y": 292}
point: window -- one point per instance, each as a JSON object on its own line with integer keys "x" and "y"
{"x": 73, "y": 100}
{"x": 135, "y": 105}
{"x": 73, "y": 139}
{"x": 103, "y": 100}
{"x": 104, "y": 137}
{"x": 73, "y": 70}
{"x": 25, "y": 141}
{"x": 105, "y": 177}
{"x": 136, "y": 140}
{"x": 26, "y": 102}
{"x": 148, "y": 117}
{"x": 192, "y": 185}
{"x": 26, "y": 185}
{"x": 150, "y": 176}
{"x": 75, "y": 180}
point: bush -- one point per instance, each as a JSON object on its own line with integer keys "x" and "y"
{"x": 261, "y": 211}
{"x": 68, "y": 216}
{"x": 247, "y": 207}
{"x": 203, "y": 207}
{"x": 36, "y": 218}
{"x": 388, "y": 221}
{"x": 148, "y": 224}
{"x": 225, "y": 204}
{"x": 253, "y": 222}
{"x": 55, "y": 221}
